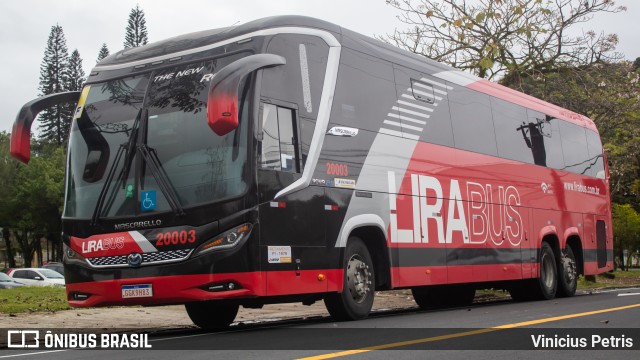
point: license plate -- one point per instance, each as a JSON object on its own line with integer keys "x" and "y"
{"x": 137, "y": 291}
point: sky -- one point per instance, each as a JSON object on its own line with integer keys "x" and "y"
{"x": 25, "y": 26}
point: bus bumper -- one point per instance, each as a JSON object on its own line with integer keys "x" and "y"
{"x": 163, "y": 290}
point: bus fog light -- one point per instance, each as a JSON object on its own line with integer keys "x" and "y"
{"x": 225, "y": 286}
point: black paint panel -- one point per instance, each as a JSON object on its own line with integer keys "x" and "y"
{"x": 457, "y": 256}
{"x": 299, "y": 223}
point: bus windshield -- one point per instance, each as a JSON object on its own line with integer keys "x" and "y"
{"x": 128, "y": 126}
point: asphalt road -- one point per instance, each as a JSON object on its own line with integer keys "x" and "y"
{"x": 605, "y": 323}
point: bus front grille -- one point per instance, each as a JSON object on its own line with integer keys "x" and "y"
{"x": 152, "y": 258}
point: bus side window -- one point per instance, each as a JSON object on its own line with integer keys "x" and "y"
{"x": 596, "y": 159}
{"x": 279, "y": 139}
{"x": 574, "y": 148}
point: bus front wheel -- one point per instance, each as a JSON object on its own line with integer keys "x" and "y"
{"x": 211, "y": 314}
{"x": 356, "y": 299}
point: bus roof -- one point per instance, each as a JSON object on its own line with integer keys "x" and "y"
{"x": 355, "y": 41}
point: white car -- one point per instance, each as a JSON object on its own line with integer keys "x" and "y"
{"x": 37, "y": 277}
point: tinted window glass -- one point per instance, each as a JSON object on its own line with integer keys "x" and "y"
{"x": 51, "y": 274}
{"x": 200, "y": 165}
{"x": 472, "y": 121}
{"x": 301, "y": 80}
{"x": 20, "y": 274}
{"x": 287, "y": 140}
{"x": 596, "y": 160}
{"x": 270, "y": 154}
{"x": 574, "y": 147}
{"x": 96, "y": 135}
{"x": 544, "y": 136}
{"x": 365, "y": 91}
{"x": 512, "y": 131}
{"x": 279, "y": 139}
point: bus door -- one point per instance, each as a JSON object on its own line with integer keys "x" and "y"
{"x": 602, "y": 240}
{"x": 292, "y": 241}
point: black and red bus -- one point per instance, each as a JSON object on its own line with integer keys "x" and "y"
{"x": 291, "y": 160}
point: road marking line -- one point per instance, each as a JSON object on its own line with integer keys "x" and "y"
{"x": 628, "y": 294}
{"x": 615, "y": 290}
{"x": 33, "y": 353}
{"x": 466, "y": 333}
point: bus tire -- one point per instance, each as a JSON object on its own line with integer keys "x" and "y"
{"x": 212, "y": 314}
{"x": 547, "y": 283}
{"x": 433, "y": 297}
{"x": 522, "y": 290}
{"x": 356, "y": 299}
{"x": 567, "y": 274}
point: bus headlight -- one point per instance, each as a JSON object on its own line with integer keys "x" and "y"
{"x": 71, "y": 256}
{"x": 225, "y": 240}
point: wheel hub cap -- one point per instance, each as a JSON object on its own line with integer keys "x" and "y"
{"x": 358, "y": 278}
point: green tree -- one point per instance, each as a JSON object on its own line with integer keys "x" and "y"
{"x": 136, "y": 32}
{"x": 626, "y": 226}
{"x": 607, "y": 93}
{"x": 8, "y": 169}
{"x": 55, "y": 121}
{"x": 38, "y": 199}
{"x": 104, "y": 52}
{"x": 75, "y": 74}
{"x": 497, "y": 38}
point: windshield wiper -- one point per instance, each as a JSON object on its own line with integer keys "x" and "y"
{"x": 151, "y": 159}
{"x": 129, "y": 148}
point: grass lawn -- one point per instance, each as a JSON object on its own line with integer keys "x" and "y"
{"x": 614, "y": 279}
{"x": 33, "y": 299}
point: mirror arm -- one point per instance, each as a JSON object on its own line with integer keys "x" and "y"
{"x": 21, "y": 133}
{"x": 222, "y": 102}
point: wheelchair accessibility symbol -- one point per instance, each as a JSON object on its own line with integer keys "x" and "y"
{"x": 148, "y": 200}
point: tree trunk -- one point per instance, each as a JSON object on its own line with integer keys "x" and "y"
{"x": 6, "y": 234}
{"x": 38, "y": 246}
{"x": 26, "y": 247}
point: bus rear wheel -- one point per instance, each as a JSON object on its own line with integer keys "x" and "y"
{"x": 567, "y": 274}
{"x": 356, "y": 299}
{"x": 211, "y": 314}
{"x": 548, "y": 280}
{"x": 545, "y": 286}
{"x": 432, "y": 297}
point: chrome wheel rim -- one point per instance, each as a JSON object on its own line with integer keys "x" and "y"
{"x": 358, "y": 278}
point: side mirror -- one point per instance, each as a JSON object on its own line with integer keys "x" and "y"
{"x": 222, "y": 101}
{"x": 21, "y": 134}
